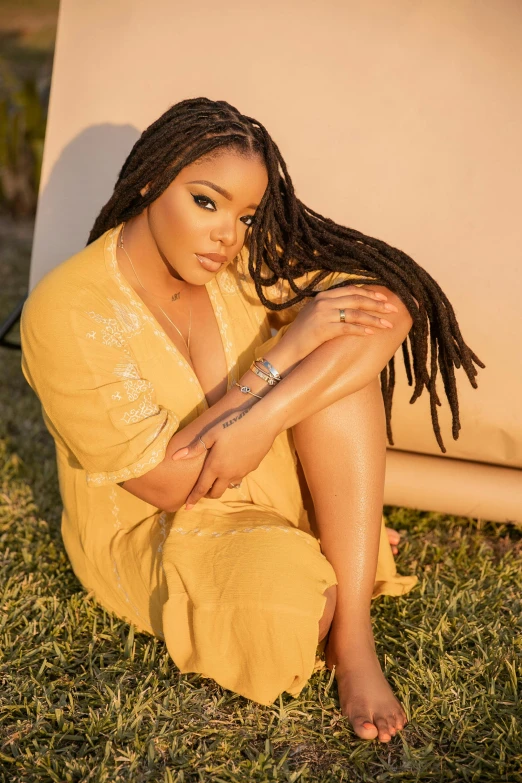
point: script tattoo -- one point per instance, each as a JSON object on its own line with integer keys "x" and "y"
{"x": 239, "y": 416}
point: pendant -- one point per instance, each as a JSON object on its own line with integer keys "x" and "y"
{"x": 176, "y": 296}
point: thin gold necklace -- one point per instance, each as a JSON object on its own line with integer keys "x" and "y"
{"x": 187, "y": 342}
{"x": 171, "y": 298}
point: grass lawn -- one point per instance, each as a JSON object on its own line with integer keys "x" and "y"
{"x": 84, "y": 698}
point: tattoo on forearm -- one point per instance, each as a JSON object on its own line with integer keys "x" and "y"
{"x": 239, "y": 416}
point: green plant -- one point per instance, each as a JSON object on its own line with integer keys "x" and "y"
{"x": 23, "y": 116}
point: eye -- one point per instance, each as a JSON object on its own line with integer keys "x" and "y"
{"x": 204, "y": 201}
{"x": 199, "y": 199}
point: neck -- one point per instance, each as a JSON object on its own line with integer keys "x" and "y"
{"x": 156, "y": 274}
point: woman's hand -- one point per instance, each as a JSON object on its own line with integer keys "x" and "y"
{"x": 235, "y": 447}
{"x": 318, "y": 321}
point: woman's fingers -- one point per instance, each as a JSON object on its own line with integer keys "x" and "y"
{"x": 354, "y": 290}
{"x": 215, "y": 489}
{"x": 203, "y": 485}
{"x": 356, "y": 301}
{"x": 356, "y": 311}
{"x": 362, "y": 317}
{"x": 194, "y": 449}
{"x": 220, "y": 486}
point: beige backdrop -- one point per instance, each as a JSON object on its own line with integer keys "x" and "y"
{"x": 399, "y": 118}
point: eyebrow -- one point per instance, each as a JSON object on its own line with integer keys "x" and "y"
{"x": 222, "y": 191}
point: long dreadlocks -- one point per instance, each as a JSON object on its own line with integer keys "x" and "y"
{"x": 289, "y": 240}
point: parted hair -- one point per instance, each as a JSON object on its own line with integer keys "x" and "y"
{"x": 288, "y": 240}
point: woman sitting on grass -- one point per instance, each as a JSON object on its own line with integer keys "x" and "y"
{"x": 242, "y": 540}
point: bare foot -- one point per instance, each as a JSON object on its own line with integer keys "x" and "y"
{"x": 366, "y": 698}
{"x": 394, "y": 539}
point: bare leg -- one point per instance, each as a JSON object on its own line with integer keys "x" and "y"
{"x": 342, "y": 449}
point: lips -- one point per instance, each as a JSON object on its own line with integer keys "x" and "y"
{"x": 219, "y": 259}
{"x": 211, "y": 262}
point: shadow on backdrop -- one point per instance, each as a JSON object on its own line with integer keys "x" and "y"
{"x": 83, "y": 176}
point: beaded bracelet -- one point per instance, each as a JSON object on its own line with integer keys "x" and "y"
{"x": 248, "y": 390}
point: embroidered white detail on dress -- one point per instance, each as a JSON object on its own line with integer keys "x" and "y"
{"x": 120, "y": 587}
{"x": 115, "y": 509}
{"x": 169, "y": 426}
{"x": 117, "y": 476}
{"x": 162, "y": 522}
{"x": 91, "y": 335}
{"x": 226, "y": 283}
{"x": 266, "y": 528}
{"x": 111, "y": 334}
{"x": 128, "y": 318}
{"x": 145, "y": 317}
{"x": 126, "y": 370}
{"x": 135, "y": 388}
{"x": 116, "y": 396}
{"x": 145, "y": 409}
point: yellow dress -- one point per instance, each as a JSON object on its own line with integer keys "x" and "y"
{"x": 235, "y": 586}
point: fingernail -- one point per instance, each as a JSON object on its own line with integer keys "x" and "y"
{"x": 179, "y": 454}
{"x": 385, "y": 322}
{"x": 189, "y": 506}
{"x": 368, "y": 330}
{"x": 380, "y": 296}
{"x": 391, "y": 308}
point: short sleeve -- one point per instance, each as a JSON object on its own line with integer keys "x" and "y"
{"x": 95, "y": 401}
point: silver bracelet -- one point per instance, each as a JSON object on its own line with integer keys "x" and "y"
{"x": 264, "y": 375}
{"x": 271, "y": 369}
{"x": 248, "y": 390}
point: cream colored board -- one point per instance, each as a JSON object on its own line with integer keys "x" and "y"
{"x": 400, "y": 119}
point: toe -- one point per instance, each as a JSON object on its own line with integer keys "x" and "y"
{"x": 393, "y": 727}
{"x": 400, "y": 720}
{"x": 384, "y": 731}
{"x": 364, "y": 728}
{"x": 393, "y": 536}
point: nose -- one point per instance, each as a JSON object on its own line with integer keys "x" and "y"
{"x": 225, "y": 233}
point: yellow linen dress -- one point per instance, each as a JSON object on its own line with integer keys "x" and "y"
{"x": 234, "y": 586}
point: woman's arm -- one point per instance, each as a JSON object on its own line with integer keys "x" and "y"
{"x": 167, "y": 485}
{"x": 334, "y": 370}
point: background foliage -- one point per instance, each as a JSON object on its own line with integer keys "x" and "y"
{"x": 27, "y": 33}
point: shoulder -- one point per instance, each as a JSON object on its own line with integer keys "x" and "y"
{"x": 80, "y": 282}
{"x": 81, "y": 279}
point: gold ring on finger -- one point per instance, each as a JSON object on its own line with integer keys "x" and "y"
{"x": 234, "y": 486}
{"x": 342, "y": 315}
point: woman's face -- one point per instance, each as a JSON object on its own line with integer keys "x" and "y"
{"x": 206, "y": 209}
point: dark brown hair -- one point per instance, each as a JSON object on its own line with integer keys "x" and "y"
{"x": 288, "y": 239}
